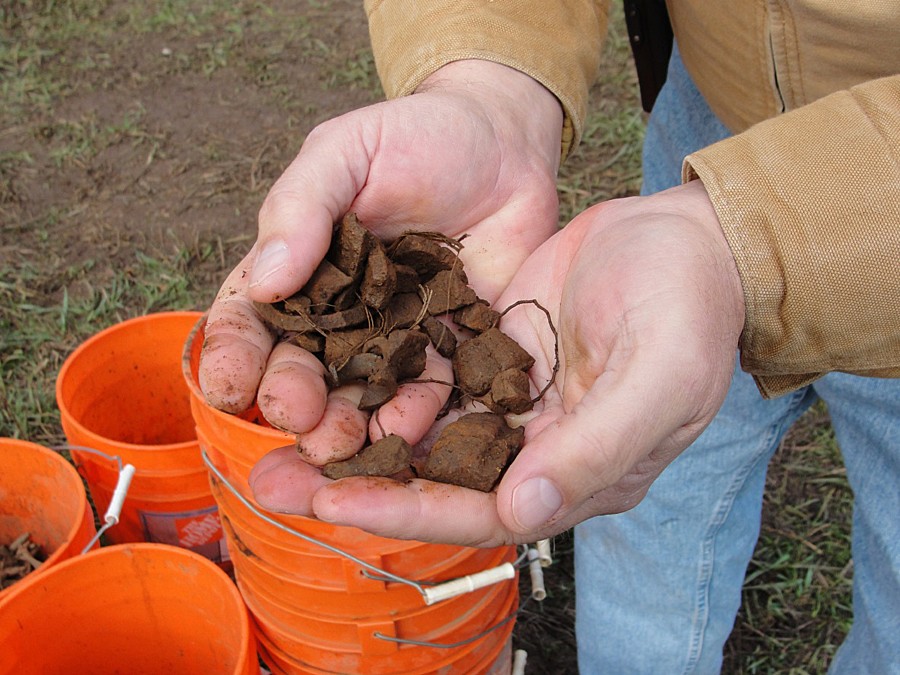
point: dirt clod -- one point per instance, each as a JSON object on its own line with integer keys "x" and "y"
{"x": 473, "y": 451}
{"x": 424, "y": 254}
{"x": 385, "y": 457}
{"x": 379, "y": 280}
{"x": 381, "y": 387}
{"x": 370, "y": 311}
{"x": 441, "y": 336}
{"x": 448, "y": 291}
{"x": 324, "y": 285}
{"x": 350, "y": 246}
{"x": 477, "y": 362}
{"x": 510, "y": 392}
{"x": 478, "y": 316}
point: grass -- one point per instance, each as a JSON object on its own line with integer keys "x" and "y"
{"x": 46, "y": 311}
{"x": 607, "y": 163}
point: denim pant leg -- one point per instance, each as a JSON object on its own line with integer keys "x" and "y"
{"x": 658, "y": 587}
{"x": 865, "y": 413}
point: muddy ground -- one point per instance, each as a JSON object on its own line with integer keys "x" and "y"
{"x": 156, "y": 136}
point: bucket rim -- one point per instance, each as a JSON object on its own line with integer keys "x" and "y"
{"x": 84, "y": 513}
{"x": 247, "y": 634}
{"x": 64, "y": 408}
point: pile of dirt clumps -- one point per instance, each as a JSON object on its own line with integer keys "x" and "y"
{"x": 19, "y": 559}
{"x": 368, "y": 313}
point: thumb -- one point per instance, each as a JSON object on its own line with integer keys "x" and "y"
{"x": 589, "y": 460}
{"x": 299, "y": 212}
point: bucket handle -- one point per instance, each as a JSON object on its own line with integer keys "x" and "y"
{"x": 448, "y": 645}
{"x": 300, "y": 535}
{"x": 123, "y": 482}
{"x": 535, "y": 558}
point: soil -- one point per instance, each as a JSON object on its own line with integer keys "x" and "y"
{"x": 163, "y": 137}
{"x": 473, "y": 451}
{"x": 18, "y": 559}
{"x": 365, "y": 314}
{"x": 388, "y": 456}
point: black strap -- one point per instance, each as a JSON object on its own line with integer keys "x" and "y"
{"x": 650, "y": 35}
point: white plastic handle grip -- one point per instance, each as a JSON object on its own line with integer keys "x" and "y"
{"x": 467, "y": 584}
{"x": 118, "y": 496}
{"x": 518, "y": 664}
{"x": 538, "y": 591}
{"x": 543, "y": 547}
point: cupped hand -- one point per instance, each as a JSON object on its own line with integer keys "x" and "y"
{"x": 647, "y": 307}
{"x": 474, "y": 152}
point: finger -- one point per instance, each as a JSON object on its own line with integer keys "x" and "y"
{"x": 341, "y": 432}
{"x": 284, "y": 483}
{"x": 589, "y": 449}
{"x": 298, "y": 214}
{"x": 414, "y": 408}
{"x": 293, "y": 392}
{"x": 236, "y": 346}
{"x": 419, "y": 509}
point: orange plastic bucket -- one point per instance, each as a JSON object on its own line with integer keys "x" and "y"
{"x": 121, "y": 392}
{"x": 317, "y": 611}
{"x": 142, "y": 609}
{"x": 42, "y": 495}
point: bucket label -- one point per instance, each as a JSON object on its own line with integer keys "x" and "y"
{"x": 201, "y": 531}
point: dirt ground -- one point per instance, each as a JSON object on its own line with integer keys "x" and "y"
{"x": 159, "y": 138}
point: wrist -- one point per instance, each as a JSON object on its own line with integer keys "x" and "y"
{"x": 695, "y": 203}
{"x": 528, "y": 106}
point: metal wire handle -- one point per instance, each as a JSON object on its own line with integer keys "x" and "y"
{"x": 123, "y": 482}
{"x": 428, "y": 593}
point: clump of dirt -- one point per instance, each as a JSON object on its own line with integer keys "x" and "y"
{"x": 19, "y": 559}
{"x": 387, "y": 456}
{"x": 368, "y": 313}
{"x": 473, "y": 451}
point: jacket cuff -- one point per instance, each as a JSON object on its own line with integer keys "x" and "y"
{"x": 557, "y": 44}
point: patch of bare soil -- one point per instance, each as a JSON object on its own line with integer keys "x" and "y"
{"x": 170, "y": 136}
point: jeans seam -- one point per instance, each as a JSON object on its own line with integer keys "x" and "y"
{"x": 707, "y": 545}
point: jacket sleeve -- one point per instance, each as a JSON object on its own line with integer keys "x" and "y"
{"x": 810, "y": 205}
{"x": 556, "y": 43}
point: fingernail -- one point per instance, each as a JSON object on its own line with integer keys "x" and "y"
{"x": 273, "y": 257}
{"x": 534, "y": 502}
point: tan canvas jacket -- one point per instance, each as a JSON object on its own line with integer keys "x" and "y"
{"x": 807, "y": 191}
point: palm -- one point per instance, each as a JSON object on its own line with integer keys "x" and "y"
{"x": 646, "y": 331}
{"x": 448, "y": 160}
{"x": 421, "y": 167}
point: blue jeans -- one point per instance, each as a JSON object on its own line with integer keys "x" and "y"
{"x": 658, "y": 587}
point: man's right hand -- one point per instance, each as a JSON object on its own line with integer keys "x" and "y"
{"x": 474, "y": 153}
